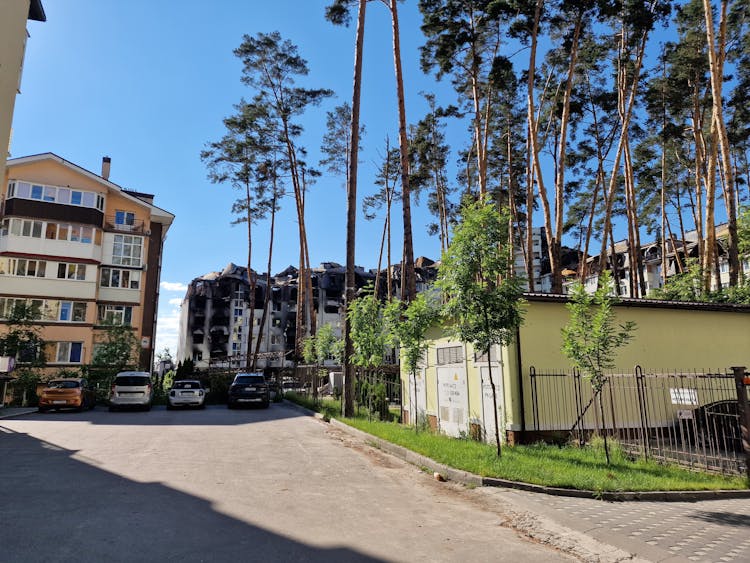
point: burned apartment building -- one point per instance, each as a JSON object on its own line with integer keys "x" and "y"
{"x": 216, "y": 317}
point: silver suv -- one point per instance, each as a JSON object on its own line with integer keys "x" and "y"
{"x": 131, "y": 389}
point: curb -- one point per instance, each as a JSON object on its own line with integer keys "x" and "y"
{"x": 468, "y": 478}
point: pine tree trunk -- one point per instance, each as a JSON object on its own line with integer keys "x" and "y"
{"x": 409, "y": 274}
{"x": 351, "y": 211}
{"x": 626, "y": 113}
{"x": 267, "y": 296}
{"x": 716, "y": 56}
{"x": 250, "y": 279}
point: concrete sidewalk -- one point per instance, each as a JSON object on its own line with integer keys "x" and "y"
{"x": 708, "y": 530}
{"x": 603, "y": 531}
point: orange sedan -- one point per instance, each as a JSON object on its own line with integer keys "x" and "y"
{"x": 69, "y": 393}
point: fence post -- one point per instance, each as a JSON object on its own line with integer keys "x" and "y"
{"x": 534, "y": 398}
{"x": 579, "y": 405}
{"x": 740, "y": 381}
{"x": 640, "y": 383}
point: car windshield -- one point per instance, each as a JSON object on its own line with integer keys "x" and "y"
{"x": 132, "y": 380}
{"x": 63, "y": 384}
{"x": 249, "y": 379}
{"x": 186, "y": 385}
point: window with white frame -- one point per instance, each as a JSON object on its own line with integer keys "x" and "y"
{"x": 124, "y": 220}
{"x": 38, "y": 308}
{"x": 70, "y": 311}
{"x": 55, "y": 194}
{"x": 276, "y": 339}
{"x": 126, "y": 250}
{"x": 115, "y": 314}
{"x": 49, "y": 230}
{"x": 23, "y": 267}
{"x": 124, "y": 279}
{"x": 69, "y": 352}
{"x": 69, "y": 271}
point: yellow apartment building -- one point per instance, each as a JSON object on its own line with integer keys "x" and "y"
{"x": 13, "y": 35}
{"x": 84, "y": 251}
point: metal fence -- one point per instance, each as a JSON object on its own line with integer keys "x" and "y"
{"x": 376, "y": 390}
{"x": 694, "y": 419}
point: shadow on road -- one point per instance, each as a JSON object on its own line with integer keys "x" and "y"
{"x": 212, "y": 415}
{"x": 724, "y": 518}
{"x": 59, "y": 508}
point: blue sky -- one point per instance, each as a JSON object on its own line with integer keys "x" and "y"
{"x": 148, "y": 84}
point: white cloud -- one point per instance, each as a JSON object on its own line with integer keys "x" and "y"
{"x": 173, "y": 286}
{"x": 168, "y": 326}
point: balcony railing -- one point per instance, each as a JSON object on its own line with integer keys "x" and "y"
{"x": 136, "y": 226}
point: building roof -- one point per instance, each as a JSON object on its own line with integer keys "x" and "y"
{"x": 648, "y": 303}
{"x": 36, "y": 11}
{"x": 158, "y": 214}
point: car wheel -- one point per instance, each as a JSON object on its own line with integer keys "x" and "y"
{"x": 112, "y": 408}
{"x": 202, "y": 406}
{"x": 147, "y": 407}
{"x": 43, "y": 409}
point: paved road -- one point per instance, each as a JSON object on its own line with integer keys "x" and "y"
{"x": 221, "y": 485}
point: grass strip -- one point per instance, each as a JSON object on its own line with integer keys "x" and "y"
{"x": 568, "y": 467}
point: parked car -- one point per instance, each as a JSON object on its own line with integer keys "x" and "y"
{"x": 131, "y": 389}
{"x": 68, "y": 393}
{"x": 249, "y": 389}
{"x": 187, "y": 393}
{"x": 717, "y": 426}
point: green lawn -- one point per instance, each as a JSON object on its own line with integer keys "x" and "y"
{"x": 567, "y": 467}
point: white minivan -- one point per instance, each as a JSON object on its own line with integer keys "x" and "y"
{"x": 131, "y": 389}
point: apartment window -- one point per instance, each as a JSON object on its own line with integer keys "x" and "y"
{"x": 72, "y": 311}
{"x": 450, "y": 355}
{"x": 26, "y": 228}
{"x": 238, "y": 312}
{"x": 126, "y": 250}
{"x": 23, "y": 267}
{"x": 724, "y": 267}
{"x": 8, "y": 304}
{"x": 115, "y": 314}
{"x": 67, "y": 271}
{"x": 69, "y": 352}
{"x": 275, "y": 339}
{"x": 54, "y": 194}
{"x": 125, "y": 279}
{"x": 124, "y": 218}
{"x": 483, "y": 357}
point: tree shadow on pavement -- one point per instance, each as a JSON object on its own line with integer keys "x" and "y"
{"x": 724, "y": 518}
{"x": 59, "y": 508}
{"x": 212, "y": 415}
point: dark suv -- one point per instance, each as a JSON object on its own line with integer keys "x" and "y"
{"x": 249, "y": 389}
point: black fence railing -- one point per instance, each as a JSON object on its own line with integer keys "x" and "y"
{"x": 691, "y": 418}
